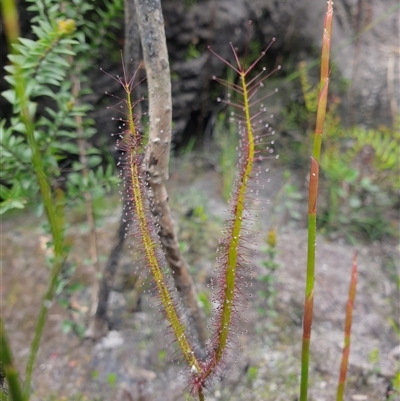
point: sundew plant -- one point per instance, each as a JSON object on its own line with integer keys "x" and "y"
{"x": 233, "y": 268}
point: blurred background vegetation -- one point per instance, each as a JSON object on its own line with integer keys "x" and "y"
{"x": 60, "y": 55}
{"x": 60, "y": 52}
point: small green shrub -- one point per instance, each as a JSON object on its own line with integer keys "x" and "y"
{"x": 269, "y": 279}
{"x": 50, "y": 64}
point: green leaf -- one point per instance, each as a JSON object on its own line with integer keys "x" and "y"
{"x": 48, "y": 80}
{"x": 94, "y": 161}
{"x": 29, "y": 43}
{"x": 68, "y": 147}
{"x": 4, "y": 192}
{"x": 67, "y": 326}
{"x": 10, "y": 96}
{"x": 10, "y": 69}
{"x": 11, "y": 204}
{"x": 77, "y": 166}
{"x": 64, "y": 50}
{"x": 351, "y": 175}
{"x": 75, "y": 287}
{"x": 16, "y": 59}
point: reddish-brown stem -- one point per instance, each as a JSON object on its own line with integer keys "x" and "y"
{"x": 347, "y": 331}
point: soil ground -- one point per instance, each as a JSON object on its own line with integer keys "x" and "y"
{"x": 133, "y": 363}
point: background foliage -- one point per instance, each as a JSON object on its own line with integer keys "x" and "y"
{"x": 67, "y": 40}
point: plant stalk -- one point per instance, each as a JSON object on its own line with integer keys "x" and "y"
{"x": 347, "y": 331}
{"x": 56, "y": 224}
{"x": 7, "y": 363}
{"x": 312, "y": 201}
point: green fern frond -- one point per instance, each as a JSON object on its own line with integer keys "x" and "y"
{"x": 310, "y": 92}
{"x": 386, "y": 146}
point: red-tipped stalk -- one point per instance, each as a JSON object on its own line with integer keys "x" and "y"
{"x": 347, "y": 331}
{"x": 312, "y": 202}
